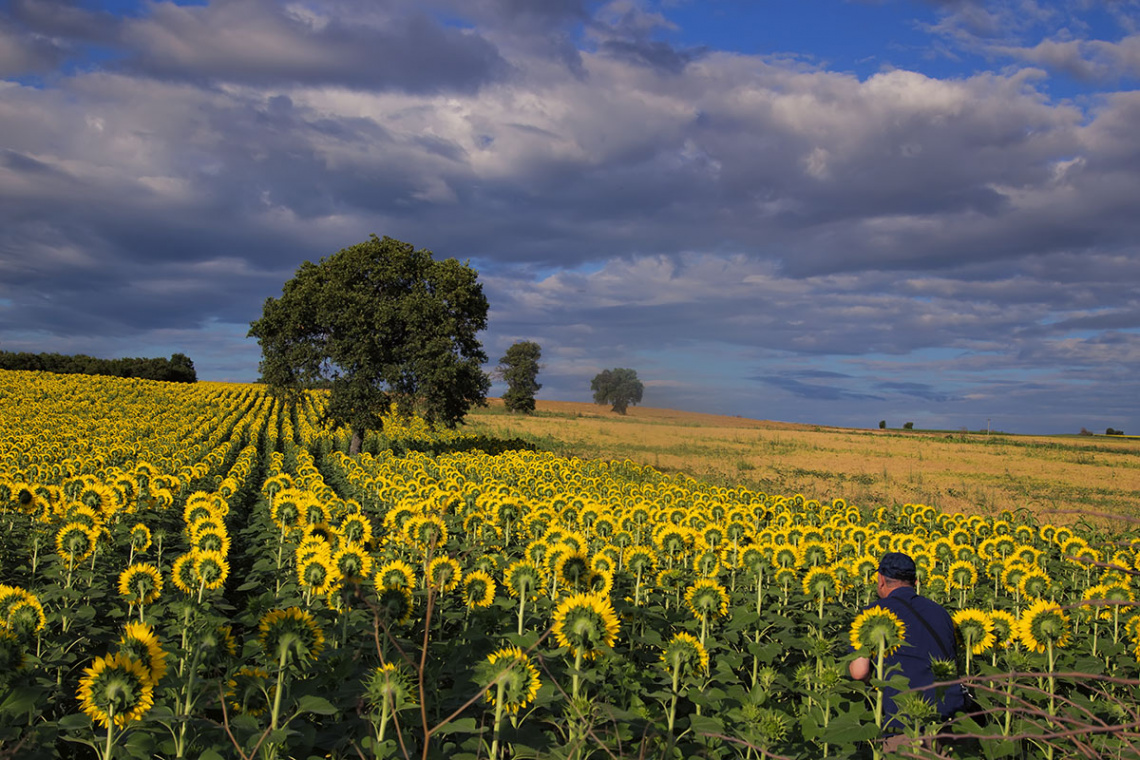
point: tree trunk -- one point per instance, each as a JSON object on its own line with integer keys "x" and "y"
{"x": 357, "y": 441}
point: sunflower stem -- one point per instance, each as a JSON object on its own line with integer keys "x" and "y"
{"x": 110, "y": 729}
{"x": 277, "y": 694}
{"x": 500, "y": 694}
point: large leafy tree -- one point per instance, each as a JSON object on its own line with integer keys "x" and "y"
{"x": 519, "y": 367}
{"x": 378, "y": 323}
{"x": 619, "y": 387}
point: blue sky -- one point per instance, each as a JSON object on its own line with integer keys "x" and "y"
{"x": 827, "y": 212}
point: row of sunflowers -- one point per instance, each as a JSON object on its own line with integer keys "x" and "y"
{"x": 204, "y": 571}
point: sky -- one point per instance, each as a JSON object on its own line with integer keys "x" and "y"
{"x": 823, "y": 211}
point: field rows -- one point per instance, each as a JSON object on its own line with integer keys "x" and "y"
{"x": 204, "y": 571}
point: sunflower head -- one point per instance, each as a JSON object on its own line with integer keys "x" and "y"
{"x": 478, "y": 589}
{"x": 141, "y": 583}
{"x": 444, "y": 574}
{"x": 249, "y": 691}
{"x": 512, "y": 668}
{"x": 395, "y": 573}
{"x": 140, "y": 538}
{"x": 685, "y": 656}
{"x": 875, "y": 627}
{"x": 116, "y": 687}
{"x": 183, "y": 576}
{"x": 394, "y": 604}
{"x": 708, "y": 598}
{"x": 390, "y": 686}
{"x": 211, "y": 569}
{"x": 290, "y": 635}
{"x": 522, "y": 577}
{"x": 585, "y": 624}
{"x": 139, "y": 643}
{"x": 1042, "y": 624}
{"x": 821, "y": 582}
{"x": 976, "y": 628}
{"x": 11, "y": 654}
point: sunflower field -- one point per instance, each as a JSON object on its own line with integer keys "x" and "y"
{"x": 204, "y": 572}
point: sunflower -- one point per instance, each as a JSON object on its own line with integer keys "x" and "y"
{"x": 1005, "y": 628}
{"x": 390, "y": 688}
{"x": 140, "y": 583}
{"x": 352, "y": 561}
{"x": 23, "y": 614}
{"x": 212, "y": 540}
{"x": 821, "y": 583}
{"x": 317, "y": 574}
{"x": 116, "y": 687}
{"x": 211, "y": 569}
{"x": 75, "y": 542}
{"x": 395, "y": 573}
{"x": 290, "y": 634}
{"x": 685, "y": 656}
{"x": 444, "y": 574}
{"x": 11, "y": 653}
{"x": 511, "y": 667}
{"x": 250, "y": 685}
{"x": 1043, "y": 623}
{"x": 357, "y": 528}
{"x": 523, "y": 577}
{"x": 976, "y": 629}
{"x": 785, "y": 556}
{"x": 426, "y": 531}
{"x": 707, "y": 598}
{"x": 478, "y": 589}
{"x": 183, "y": 576}
{"x": 877, "y": 626}
{"x": 140, "y": 538}
{"x": 394, "y": 604}
{"x": 585, "y": 624}
{"x": 1034, "y": 583}
{"x": 962, "y": 575}
{"x": 572, "y": 567}
{"x": 139, "y": 643}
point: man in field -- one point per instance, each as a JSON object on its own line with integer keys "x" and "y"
{"x": 929, "y": 636}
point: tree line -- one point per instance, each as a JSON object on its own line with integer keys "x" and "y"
{"x": 177, "y": 369}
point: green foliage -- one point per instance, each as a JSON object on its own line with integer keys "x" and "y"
{"x": 177, "y": 369}
{"x": 619, "y": 387}
{"x": 882, "y": 424}
{"x": 519, "y": 367}
{"x": 908, "y": 426}
{"x": 380, "y": 323}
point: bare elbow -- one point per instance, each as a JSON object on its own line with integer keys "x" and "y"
{"x": 859, "y": 668}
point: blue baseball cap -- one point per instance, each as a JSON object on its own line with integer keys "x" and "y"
{"x": 898, "y": 566}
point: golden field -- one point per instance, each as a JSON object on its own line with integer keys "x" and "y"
{"x": 1061, "y": 478}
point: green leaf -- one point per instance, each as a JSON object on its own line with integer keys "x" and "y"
{"x": 21, "y": 701}
{"x": 460, "y": 726}
{"x": 315, "y": 705}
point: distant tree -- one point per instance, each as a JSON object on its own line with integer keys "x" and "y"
{"x": 379, "y": 323}
{"x": 619, "y": 387}
{"x": 882, "y": 424}
{"x": 908, "y": 426}
{"x": 1111, "y": 431}
{"x": 519, "y": 367}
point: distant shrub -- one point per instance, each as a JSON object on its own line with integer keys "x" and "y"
{"x": 1110, "y": 431}
{"x": 882, "y": 424}
{"x": 908, "y": 426}
{"x": 1086, "y": 431}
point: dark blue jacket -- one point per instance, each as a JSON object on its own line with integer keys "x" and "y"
{"x": 920, "y": 648}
